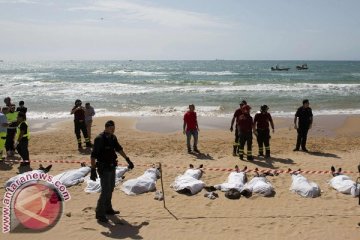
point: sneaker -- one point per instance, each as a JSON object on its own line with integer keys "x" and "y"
{"x": 102, "y": 219}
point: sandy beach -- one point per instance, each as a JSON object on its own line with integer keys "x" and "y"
{"x": 332, "y": 141}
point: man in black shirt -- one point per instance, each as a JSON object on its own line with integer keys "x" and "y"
{"x": 305, "y": 116}
{"x": 21, "y": 107}
{"x": 103, "y": 157}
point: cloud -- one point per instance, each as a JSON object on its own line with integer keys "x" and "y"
{"x": 137, "y": 12}
{"x": 19, "y": 1}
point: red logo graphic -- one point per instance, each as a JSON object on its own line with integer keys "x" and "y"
{"x": 38, "y": 206}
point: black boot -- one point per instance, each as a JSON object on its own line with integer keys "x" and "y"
{"x": 234, "y": 151}
{"x": 267, "y": 154}
{"x": 79, "y": 146}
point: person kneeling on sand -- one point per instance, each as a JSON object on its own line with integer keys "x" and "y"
{"x": 189, "y": 183}
{"x": 302, "y": 186}
{"x": 343, "y": 183}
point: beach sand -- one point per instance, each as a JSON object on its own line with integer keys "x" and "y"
{"x": 332, "y": 141}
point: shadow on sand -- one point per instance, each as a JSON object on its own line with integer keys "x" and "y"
{"x": 202, "y": 156}
{"x": 322, "y": 154}
{"x": 268, "y": 162}
{"x": 121, "y": 229}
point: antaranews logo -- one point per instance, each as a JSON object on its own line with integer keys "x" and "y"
{"x": 33, "y": 202}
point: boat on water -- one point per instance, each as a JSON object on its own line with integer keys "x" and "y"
{"x": 302, "y": 67}
{"x": 277, "y": 68}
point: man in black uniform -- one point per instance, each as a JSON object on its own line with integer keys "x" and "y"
{"x": 103, "y": 157}
{"x": 304, "y": 113}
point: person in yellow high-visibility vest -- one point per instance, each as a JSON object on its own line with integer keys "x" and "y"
{"x": 22, "y": 139}
{"x": 11, "y": 131}
{"x": 3, "y": 129}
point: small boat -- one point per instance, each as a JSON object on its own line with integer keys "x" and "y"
{"x": 279, "y": 69}
{"x": 302, "y": 67}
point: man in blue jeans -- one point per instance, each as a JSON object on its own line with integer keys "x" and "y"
{"x": 191, "y": 128}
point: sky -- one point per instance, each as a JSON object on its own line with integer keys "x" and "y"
{"x": 179, "y": 30}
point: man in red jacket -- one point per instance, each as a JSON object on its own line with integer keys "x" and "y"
{"x": 245, "y": 127}
{"x": 191, "y": 128}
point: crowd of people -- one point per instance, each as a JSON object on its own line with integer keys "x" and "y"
{"x": 246, "y": 126}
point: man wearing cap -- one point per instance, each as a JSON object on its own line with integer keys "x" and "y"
{"x": 245, "y": 127}
{"x": 305, "y": 116}
{"x": 262, "y": 131}
{"x": 103, "y": 158}
{"x": 79, "y": 123}
{"x": 237, "y": 113}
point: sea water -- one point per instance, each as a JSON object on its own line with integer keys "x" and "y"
{"x": 166, "y": 88}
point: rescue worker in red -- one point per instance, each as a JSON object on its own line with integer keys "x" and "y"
{"x": 79, "y": 123}
{"x": 245, "y": 127}
{"x": 262, "y": 131}
{"x": 237, "y": 113}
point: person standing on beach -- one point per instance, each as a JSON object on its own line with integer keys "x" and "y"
{"x": 3, "y": 130}
{"x": 191, "y": 128}
{"x": 261, "y": 123}
{"x": 237, "y": 113}
{"x": 89, "y": 113}
{"x": 79, "y": 123}
{"x": 245, "y": 128}
{"x": 7, "y": 101}
{"x": 21, "y": 107}
{"x": 103, "y": 157}
{"x": 22, "y": 139}
{"x": 11, "y": 131}
{"x": 305, "y": 116}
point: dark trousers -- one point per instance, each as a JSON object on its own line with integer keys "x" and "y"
{"x": 301, "y": 137}
{"x": 22, "y": 149}
{"x": 236, "y": 142}
{"x": 81, "y": 126}
{"x": 245, "y": 138}
{"x": 107, "y": 182}
{"x": 9, "y": 144}
{"x": 263, "y": 139}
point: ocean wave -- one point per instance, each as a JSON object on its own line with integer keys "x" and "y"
{"x": 206, "y": 73}
{"x": 178, "y": 111}
{"x": 71, "y": 90}
{"x": 129, "y": 72}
